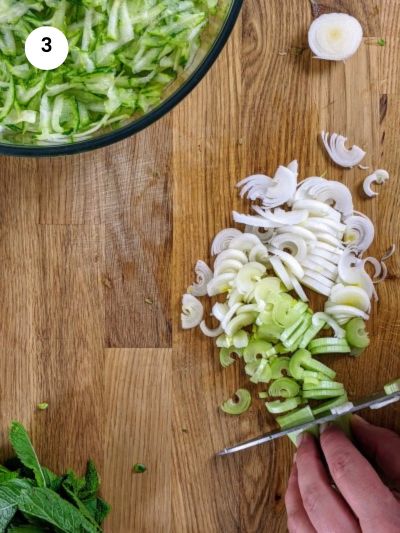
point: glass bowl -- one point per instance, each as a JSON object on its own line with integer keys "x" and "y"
{"x": 213, "y": 40}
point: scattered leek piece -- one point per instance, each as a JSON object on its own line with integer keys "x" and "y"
{"x": 381, "y": 42}
{"x": 42, "y": 406}
{"x": 139, "y": 468}
{"x": 232, "y": 407}
{"x": 320, "y": 394}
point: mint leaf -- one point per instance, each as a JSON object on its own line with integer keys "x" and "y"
{"x": 26, "y": 529}
{"x": 92, "y": 482}
{"x": 6, "y": 475}
{"x": 102, "y": 510}
{"x": 48, "y": 506}
{"x": 22, "y": 445}
{"x": 73, "y": 482}
{"x": 81, "y": 506}
{"x": 7, "y": 512}
{"x": 52, "y": 480}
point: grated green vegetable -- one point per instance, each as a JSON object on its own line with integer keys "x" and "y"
{"x": 123, "y": 54}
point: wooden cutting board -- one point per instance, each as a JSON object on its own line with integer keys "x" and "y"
{"x": 97, "y": 249}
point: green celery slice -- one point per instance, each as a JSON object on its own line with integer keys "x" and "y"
{"x": 356, "y": 334}
{"x": 284, "y": 387}
{"x": 232, "y": 407}
{"x": 393, "y": 386}
{"x": 300, "y": 416}
{"x": 278, "y": 366}
{"x": 278, "y": 406}
{"x": 330, "y": 404}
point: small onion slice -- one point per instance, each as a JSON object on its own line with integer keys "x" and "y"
{"x": 204, "y": 275}
{"x": 223, "y": 238}
{"x": 192, "y": 311}
{"x": 335, "y": 36}
{"x": 342, "y": 156}
{"x": 379, "y": 176}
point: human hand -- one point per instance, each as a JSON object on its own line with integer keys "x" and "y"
{"x": 347, "y": 495}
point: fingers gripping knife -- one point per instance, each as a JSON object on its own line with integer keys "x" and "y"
{"x": 390, "y": 395}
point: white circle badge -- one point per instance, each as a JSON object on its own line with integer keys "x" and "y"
{"x": 46, "y": 48}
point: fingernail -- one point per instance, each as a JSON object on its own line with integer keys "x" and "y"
{"x": 299, "y": 439}
{"x": 323, "y": 427}
{"x": 294, "y": 458}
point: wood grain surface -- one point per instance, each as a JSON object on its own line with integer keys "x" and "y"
{"x": 96, "y": 250}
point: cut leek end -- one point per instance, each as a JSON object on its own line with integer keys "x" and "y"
{"x": 239, "y": 405}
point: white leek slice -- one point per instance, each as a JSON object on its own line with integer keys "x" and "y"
{"x": 319, "y": 227}
{"x": 192, "y": 311}
{"x": 223, "y": 238}
{"x": 264, "y": 234}
{"x": 204, "y": 275}
{"x": 220, "y": 284}
{"x": 315, "y": 268}
{"x": 379, "y": 176}
{"x": 353, "y": 296}
{"x": 328, "y": 191}
{"x": 298, "y": 289}
{"x": 234, "y": 298}
{"x": 229, "y": 265}
{"x": 316, "y": 286}
{"x": 279, "y": 216}
{"x": 315, "y": 263}
{"x": 272, "y": 192}
{"x": 316, "y": 208}
{"x": 339, "y": 332}
{"x": 280, "y": 271}
{"x": 345, "y": 311}
{"x": 342, "y": 156}
{"x": 210, "y": 332}
{"x": 248, "y": 276}
{"x": 292, "y": 263}
{"x": 220, "y": 310}
{"x": 230, "y": 314}
{"x": 245, "y": 242}
{"x": 240, "y": 322}
{"x": 252, "y": 220}
{"x": 335, "y": 36}
{"x": 359, "y": 233}
{"x": 259, "y": 253}
{"x": 298, "y": 230}
{"x": 329, "y": 239}
{"x": 236, "y": 255}
{"x": 289, "y": 241}
{"x": 319, "y": 277}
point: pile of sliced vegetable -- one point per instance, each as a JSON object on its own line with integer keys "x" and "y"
{"x": 123, "y": 53}
{"x": 301, "y": 235}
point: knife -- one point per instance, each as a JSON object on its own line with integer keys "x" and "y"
{"x": 375, "y": 401}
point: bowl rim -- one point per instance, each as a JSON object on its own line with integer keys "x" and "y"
{"x": 144, "y": 121}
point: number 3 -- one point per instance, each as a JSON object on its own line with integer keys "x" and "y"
{"x": 47, "y": 46}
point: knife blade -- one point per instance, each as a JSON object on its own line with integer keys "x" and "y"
{"x": 374, "y": 401}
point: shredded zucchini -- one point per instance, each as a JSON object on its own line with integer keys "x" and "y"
{"x": 123, "y": 53}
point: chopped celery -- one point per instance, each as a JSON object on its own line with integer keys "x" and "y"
{"x": 393, "y": 386}
{"x": 326, "y": 341}
{"x": 296, "y": 363}
{"x": 330, "y": 404}
{"x": 282, "y": 407}
{"x": 262, "y": 373}
{"x": 279, "y": 365}
{"x": 256, "y": 348}
{"x": 284, "y": 388}
{"x": 311, "y": 332}
{"x": 240, "y": 339}
{"x": 356, "y": 334}
{"x": 269, "y": 332}
{"x": 225, "y": 356}
{"x": 324, "y": 385}
{"x": 233, "y": 407}
{"x": 300, "y": 416}
{"x": 320, "y": 394}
